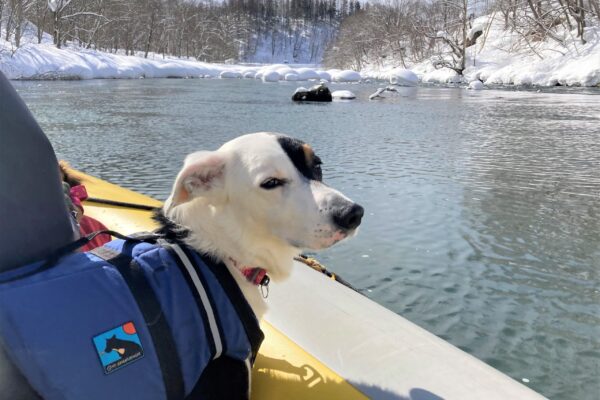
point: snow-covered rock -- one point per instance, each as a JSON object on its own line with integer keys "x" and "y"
{"x": 285, "y": 70}
{"x": 305, "y": 74}
{"x": 230, "y": 75}
{"x": 343, "y": 95}
{"x": 476, "y": 85}
{"x": 347, "y": 76}
{"x": 291, "y": 77}
{"x": 403, "y": 77}
{"x": 378, "y": 95}
{"x": 249, "y": 74}
{"x": 441, "y": 75}
{"x": 324, "y": 76}
{"x": 300, "y": 89}
{"x": 271, "y": 76}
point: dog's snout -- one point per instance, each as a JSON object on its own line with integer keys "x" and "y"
{"x": 348, "y": 216}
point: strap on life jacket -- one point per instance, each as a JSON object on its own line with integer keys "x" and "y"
{"x": 210, "y": 384}
{"x": 142, "y": 292}
{"x": 57, "y": 254}
{"x": 239, "y": 302}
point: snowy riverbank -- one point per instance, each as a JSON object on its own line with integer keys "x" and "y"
{"x": 498, "y": 57}
{"x": 45, "y": 61}
{"x": 504, "y": 57}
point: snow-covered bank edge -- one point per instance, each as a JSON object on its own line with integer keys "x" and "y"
{"x": 45, "y": 62}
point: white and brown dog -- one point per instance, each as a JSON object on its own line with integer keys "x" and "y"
{"x": 256, "y": 202}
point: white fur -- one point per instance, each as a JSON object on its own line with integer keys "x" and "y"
{"x": 218, "y": 197}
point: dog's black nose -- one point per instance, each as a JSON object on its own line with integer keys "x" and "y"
{"x": 348, "y": 217}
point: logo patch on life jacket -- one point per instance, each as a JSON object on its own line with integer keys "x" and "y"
{"x": 118, "y": 347}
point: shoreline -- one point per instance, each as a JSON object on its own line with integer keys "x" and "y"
{"x": 494, "y": 68}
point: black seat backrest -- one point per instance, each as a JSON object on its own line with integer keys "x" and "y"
{"x": 34, "y": 219}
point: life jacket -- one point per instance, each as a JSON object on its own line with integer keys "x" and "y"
{"x": 129, "y": 320}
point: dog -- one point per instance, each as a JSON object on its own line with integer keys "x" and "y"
{"x": 257, "y": 202}
{"x": 236, "y": 217}
{"x": 125, "y": 348}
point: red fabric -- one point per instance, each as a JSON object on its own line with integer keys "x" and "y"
{"x": 88, "y": 225}
{"x": 78, "y": 194}
{"x": 254, "y": 275}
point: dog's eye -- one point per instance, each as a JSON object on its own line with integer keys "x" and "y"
{"x": 272, "y": 183}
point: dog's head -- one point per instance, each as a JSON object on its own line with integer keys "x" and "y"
{"x": 270, "y": 187}
{"x": 112, "y": 343}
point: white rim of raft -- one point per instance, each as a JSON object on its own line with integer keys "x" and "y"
{"x": 377, "y": 351}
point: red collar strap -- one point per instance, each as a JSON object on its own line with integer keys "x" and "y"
{"x": 256, "y": 276}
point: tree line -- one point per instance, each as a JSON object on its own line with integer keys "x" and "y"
{"x": 207, "y": 30}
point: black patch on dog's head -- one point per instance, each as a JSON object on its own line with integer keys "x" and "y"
{"x": 169, "y": 229}
{"x": 302, "y": 157}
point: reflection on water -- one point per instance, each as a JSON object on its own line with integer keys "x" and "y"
{"x": 482, "y": 208}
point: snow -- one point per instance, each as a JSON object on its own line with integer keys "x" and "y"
{"x": 305, "y": 74}
{"x": 346, "y": 76}
{"x": 378, "y": 94}
{"x": 45, "y": 61}
{"x": 300, "y": 89}
{"x": 441, "y": 75}
{"x": 476, "y": 85}
{"x": 503, "y": 57}
{"x": 271, "y": 76}
{"x": 343, "y": 95}
{"x": 230, "y": 75}
{"x": 286, "y": 70}
{"x": 41, "y": 61}
{"x": 499, "y": 57}
{"x": 293, "y": 40}
{"x": 403, "y": 77}
{"x": 324, "y": 76}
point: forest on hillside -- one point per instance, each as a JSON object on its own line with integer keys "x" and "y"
{"x": 206, "y": 30}
{"x": 340, "y": 33}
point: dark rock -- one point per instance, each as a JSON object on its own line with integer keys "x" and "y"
{"x": 315, "y": 93}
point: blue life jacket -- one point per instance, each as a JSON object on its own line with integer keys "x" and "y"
{"x": 130, "y": 320}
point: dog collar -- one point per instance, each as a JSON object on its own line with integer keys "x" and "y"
{"x": 255, "y": 275}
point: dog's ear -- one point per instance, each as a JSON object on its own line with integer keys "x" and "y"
{"x": 203, "y": 175}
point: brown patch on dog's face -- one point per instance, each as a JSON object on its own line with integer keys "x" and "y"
{"x": 309, "y": 154}
{"x": 303, "y": 157}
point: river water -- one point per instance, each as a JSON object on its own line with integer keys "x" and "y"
{"x": 482, "y": 216}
